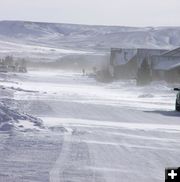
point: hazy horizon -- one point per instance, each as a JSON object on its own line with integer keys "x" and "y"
{"x": 138, "y": 13}
{"x": 105, "y": 25}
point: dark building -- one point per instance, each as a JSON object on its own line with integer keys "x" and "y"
{"x": 167, "y": 66}
{"x": 124, "y": 63}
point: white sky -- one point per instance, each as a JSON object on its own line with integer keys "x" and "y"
{"x": 103, "y": 12}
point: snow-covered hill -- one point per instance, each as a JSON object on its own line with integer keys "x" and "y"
{"x": 52, "y": 38}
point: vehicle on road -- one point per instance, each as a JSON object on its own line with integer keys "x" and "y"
{"x": 177, "y": 99}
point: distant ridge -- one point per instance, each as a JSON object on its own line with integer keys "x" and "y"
{"x": 89, "y": 36}
{"x": 51, "y": 41}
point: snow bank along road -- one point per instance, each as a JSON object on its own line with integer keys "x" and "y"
{"x": 93, "y": 132}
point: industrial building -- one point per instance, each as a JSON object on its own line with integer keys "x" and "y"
{"x": 164, "y": 64}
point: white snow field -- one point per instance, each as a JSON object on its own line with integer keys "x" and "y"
{"x": 50, "y": 41}
{"x": 93, "y": 132}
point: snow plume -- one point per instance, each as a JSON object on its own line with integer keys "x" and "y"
{"x": 73, "y": 63}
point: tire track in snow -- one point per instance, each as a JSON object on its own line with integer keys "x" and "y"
{"x": 55, "y": 173}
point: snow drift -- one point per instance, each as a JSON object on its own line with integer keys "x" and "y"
{"x": 9, "y": 116}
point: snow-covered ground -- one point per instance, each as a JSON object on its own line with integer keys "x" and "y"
{"x": 91, "y": 131}
{"x": 36, "y": 52}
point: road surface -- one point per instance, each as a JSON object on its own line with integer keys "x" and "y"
{"x": 93, "y": 132}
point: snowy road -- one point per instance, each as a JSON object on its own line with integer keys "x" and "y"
{"x": 94, "y": 132}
